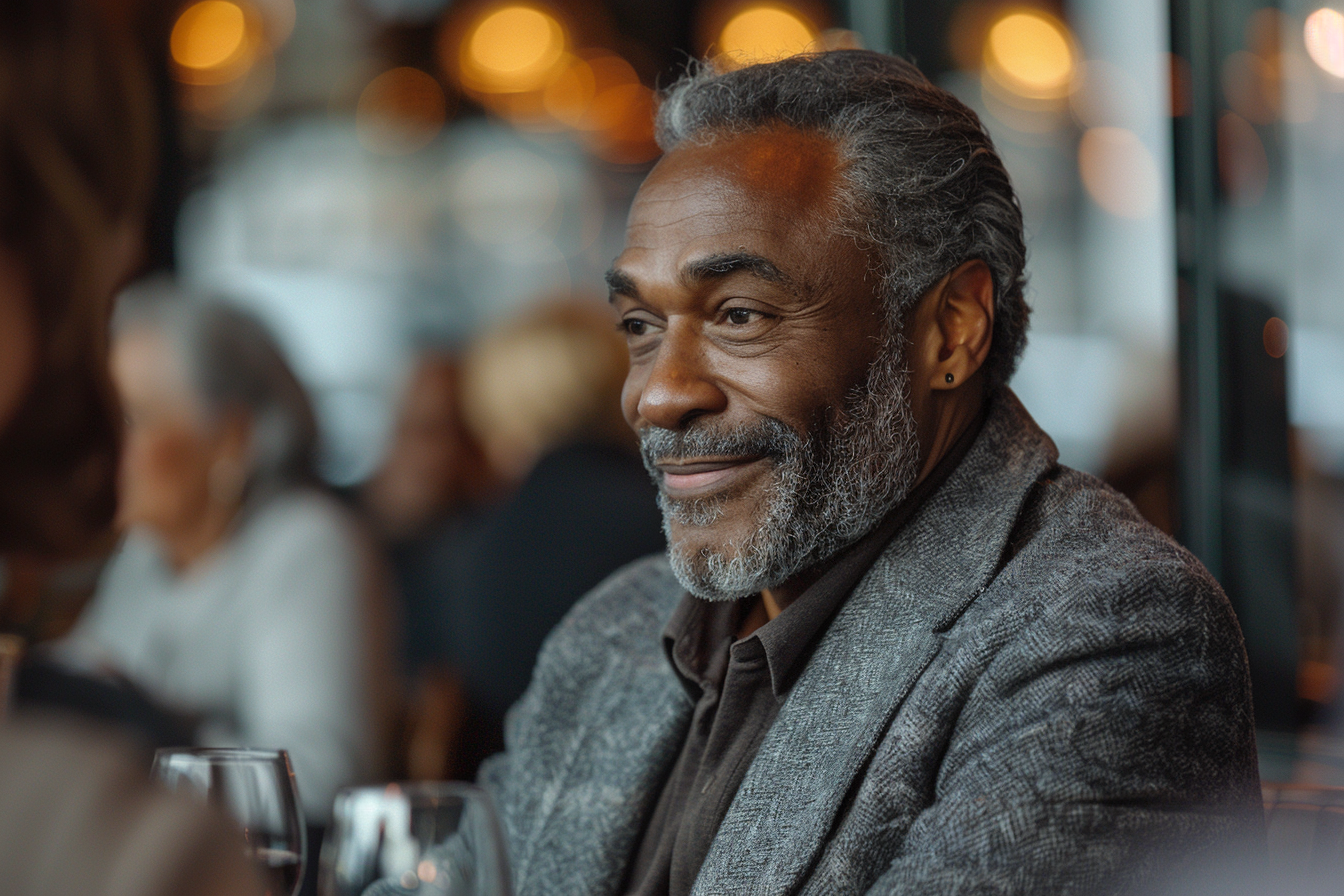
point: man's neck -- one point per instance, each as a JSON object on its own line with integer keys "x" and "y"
{"x": 950, "y": 421}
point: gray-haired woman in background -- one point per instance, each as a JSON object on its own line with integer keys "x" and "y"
{"x": 241, "y": 593}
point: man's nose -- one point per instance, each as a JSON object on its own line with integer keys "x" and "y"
{"x": 680, "y": 385}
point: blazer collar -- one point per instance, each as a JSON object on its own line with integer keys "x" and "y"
{"x": 879, "y": 643}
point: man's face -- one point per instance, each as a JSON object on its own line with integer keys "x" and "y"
{"x": 754, "y": 326}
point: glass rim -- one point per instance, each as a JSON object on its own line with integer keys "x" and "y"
{"x": 412, "y": 789}
{"x": 226, "y": 753}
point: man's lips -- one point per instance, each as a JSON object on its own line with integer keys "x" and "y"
{"x": 702, "y": 475}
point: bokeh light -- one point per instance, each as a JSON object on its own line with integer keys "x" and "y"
{"x": 219, "y": 106}
{"x": 280, "y": 16}
{"x": 1252, "y": 86}
{"x": 512, "y": 49}
{"x": 1299, "y": 99}
{"x": 208, "y": 34}
{"x": 212, "y": 42}
{"x": 400, "y": 111}
{"x": 568, "y": 95}
{"x": 1264, "y": 32}
{"x": 609, "y": 73}
{"x": 1118, "y": 171}
{"x": 1324, "y": 37}
{"x": 1030, "y": 53}
{"x": 1275, "y": 337}
{"x": 622, "y": 116}
{"x": 763, "y": 33}
{"x": 1182, "y": 87}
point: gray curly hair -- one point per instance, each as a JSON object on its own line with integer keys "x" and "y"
{"x": 925, "y": 188}
{"x": 232, "y": 362}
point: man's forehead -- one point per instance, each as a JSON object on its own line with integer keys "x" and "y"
{"x": 795, "y": 171}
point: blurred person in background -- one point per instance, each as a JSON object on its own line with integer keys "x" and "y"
{"x": 434, "y": 468}
{"x": 77, "y": 814}
{"x": 542, "y": 394}
{"x": 431, "y": 479}
{"x": 241, "y": 595}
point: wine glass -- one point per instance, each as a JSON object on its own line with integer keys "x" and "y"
{"x": 256, "y": 788}
{"x": 432, "y": 838}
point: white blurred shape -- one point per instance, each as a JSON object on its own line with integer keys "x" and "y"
{"x": 350, "y": 256}
{"x": 1323, "y": 34}
{"x": 506, "y": 196}
{"x": 1126, "y": 246}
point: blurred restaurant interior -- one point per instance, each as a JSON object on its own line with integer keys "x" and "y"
{"x": 418, "y": 199}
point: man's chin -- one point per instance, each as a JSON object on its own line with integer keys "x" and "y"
{"x": 713, "y": 565}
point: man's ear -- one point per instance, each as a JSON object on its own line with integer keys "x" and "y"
{"x": 963, "y": 311}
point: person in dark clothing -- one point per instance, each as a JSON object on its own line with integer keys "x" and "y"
{"x": 541, "y": 394}
{"x": 586, "y": 510}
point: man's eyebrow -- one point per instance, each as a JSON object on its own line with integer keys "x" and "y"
{"x": 725, "y": 263}
{"x": 621, "y": 284}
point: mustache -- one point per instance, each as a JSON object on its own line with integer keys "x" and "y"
{"x": 768, "y": 438}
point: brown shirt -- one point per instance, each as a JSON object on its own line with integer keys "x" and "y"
{"x": 738, "y": 687}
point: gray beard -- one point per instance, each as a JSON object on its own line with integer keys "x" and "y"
{"x": 829, "y": 490}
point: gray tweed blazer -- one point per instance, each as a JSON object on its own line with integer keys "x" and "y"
{"x": 1031, "y": 691}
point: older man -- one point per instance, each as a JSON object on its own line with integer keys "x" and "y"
{"x": 894, "y": 646}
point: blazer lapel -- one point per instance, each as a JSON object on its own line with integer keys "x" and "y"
{"x": 879, "y": 643}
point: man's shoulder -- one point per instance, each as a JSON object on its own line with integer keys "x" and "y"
{"x": 1075, "y": 526}
{"x": 1082, "y": 555}
{"x": 626, "y": 611}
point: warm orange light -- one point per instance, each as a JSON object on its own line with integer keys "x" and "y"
{"x": 400, "y": 111}
{"x": 1324, "y": 36}
{"x": 764, "y": 33}
{"x": 512, "y": 49}
{"x": 611, "y": 75}
{"x": 1253, "y": 86}
{"x": 622, "y": 121}
{"x": 1031, "y": 54}
{"x": 1317, "y": 681}
{"x": 1118, "y": 171}
{"x": 1264, "y": 32}
{"x": 209, "y": 35}
{"x": 568, "y": 94}
{"x": 600, "y": 95}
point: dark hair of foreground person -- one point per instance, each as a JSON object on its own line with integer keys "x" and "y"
{"x": 76, "y": 170}
{"x": 77, "y": 813}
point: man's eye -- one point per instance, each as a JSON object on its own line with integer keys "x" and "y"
{"x": 740, "y": 316}
{"x": 633, "y": 326}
